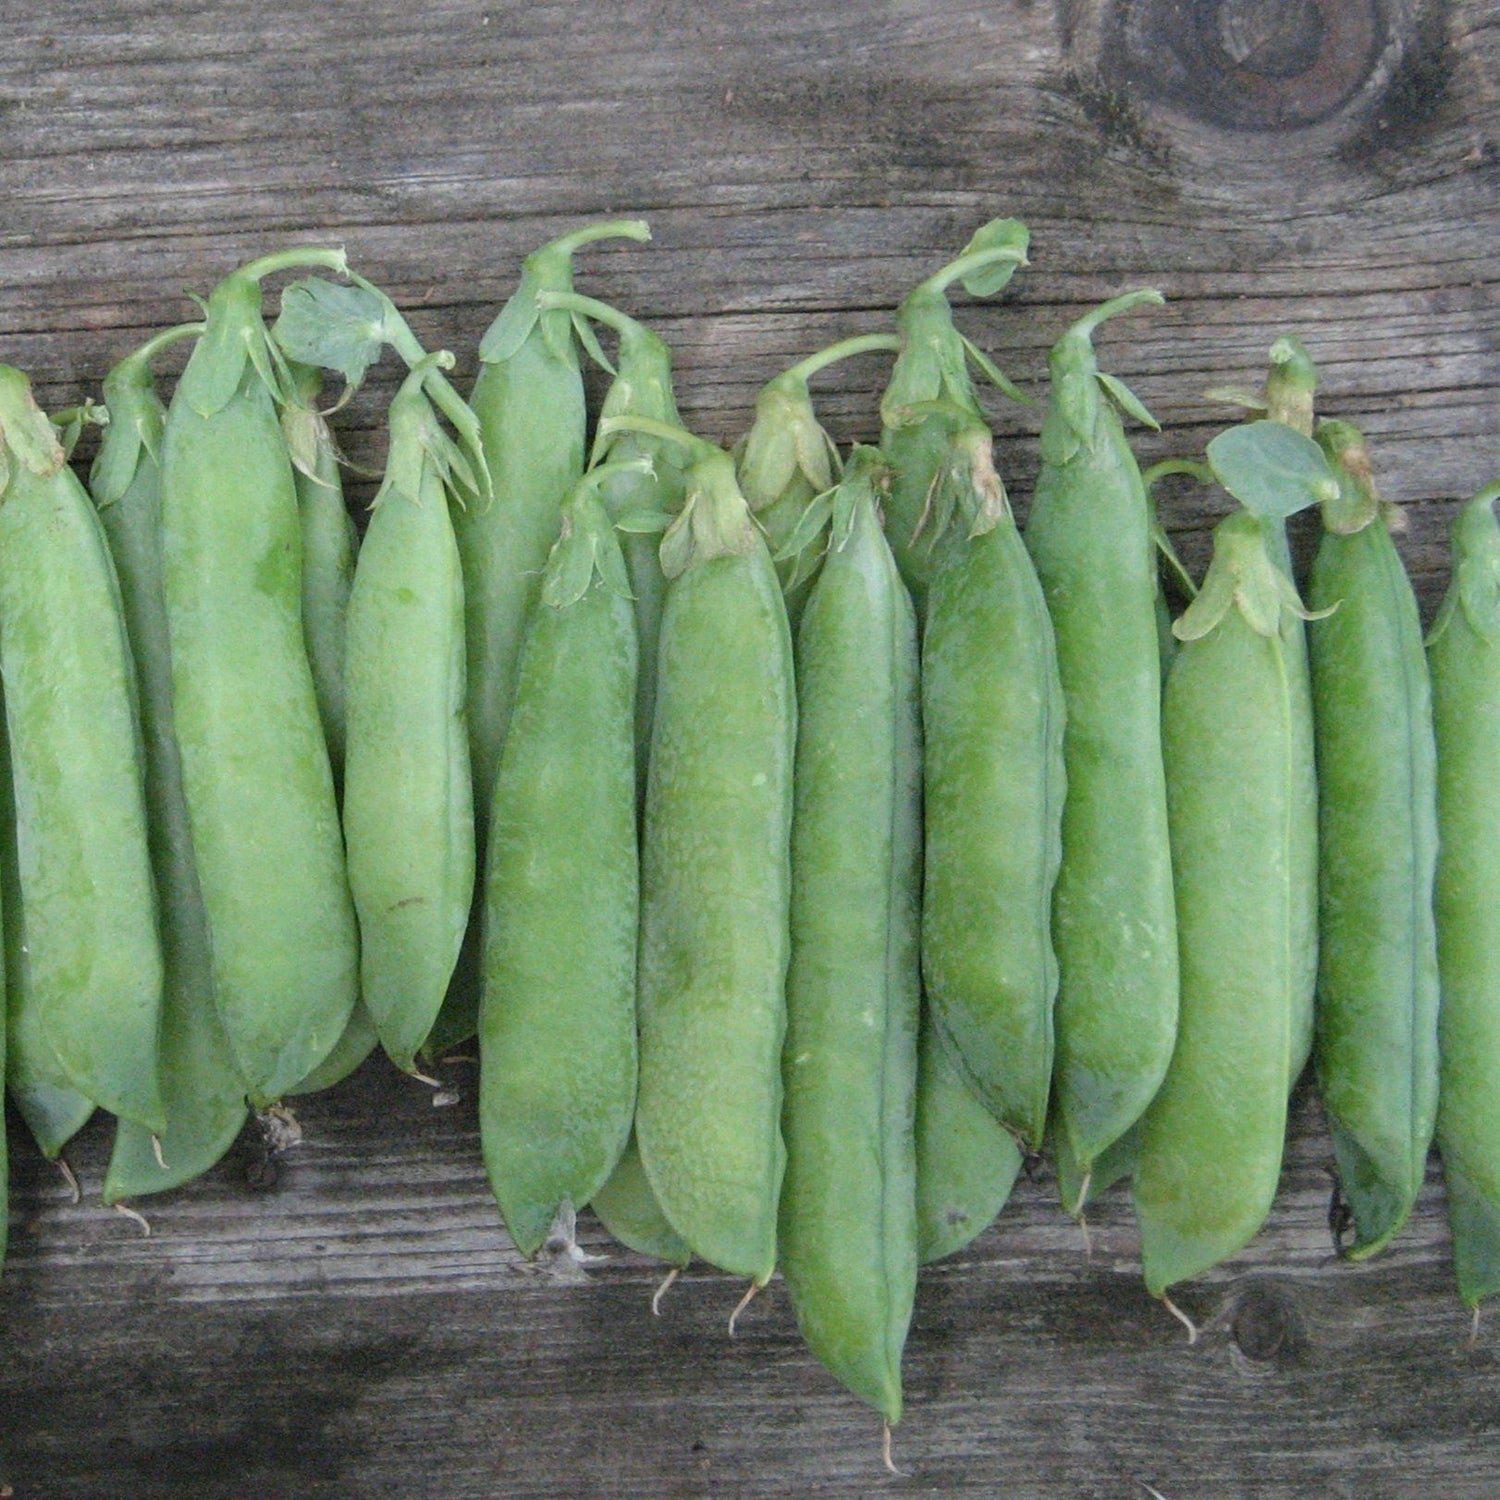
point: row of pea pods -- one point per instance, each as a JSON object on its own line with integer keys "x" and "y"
{"x": 802, "y": 842}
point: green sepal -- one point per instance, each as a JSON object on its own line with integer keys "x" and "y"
{"x": 811, "y": 524}
{"x": 993, "y": 373}
{"x": 418, "y": 440}
{"x": 587, "y": 546}
{"x": 583, "y": 331}
{"x": 303, "y": 425}
{"x": 643, "y": 522}
{"x": 866, "y": 481}
{"x": 715, "y": 519}
{"x": 1271, "y": 470}
{"x": 1291, "y": 383}
{"x": 967, "y": 490}
{"x": 1127, "y": 400}
{"x": 548, "y": 269}
{"x": 1356, "y": 503}
{"x": 1242, "y": 576}
{"x": 71, "y": 421}
{"x": 25, "y": 432}
{"x": 1227, "y": 395}
{"x": 785, "y": 441}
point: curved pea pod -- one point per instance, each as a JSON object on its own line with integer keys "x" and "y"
{"x": 88, "y": 907}
{"x": 992, "y": 722}
{"x": 329, "y": 544}
{"x": 1464, "y": 656}
{"x": 530, "y": 403}
{"x": 715, "y": 881}
{"x": 1212, "y": 1138}
{"x": 408, "y": 800}
{"x": 1377, "y": 1013}
{"x": 628, "y": 1209}
{"x": 929, "y": 406}
{"x": 358, "y": 1040}
{"x": 848, "y": 1221}
{"x": 53, "y": 1110}
{"x": 1114, "y": 920}
{"x": 967, "y": 1160}
{"x": 255, "y": 770}
{"x": 787, "y": 460}
{"x": 557, "y": 1037}
{"x": 641, "y": 501}
{"x": 202, "y": 1092}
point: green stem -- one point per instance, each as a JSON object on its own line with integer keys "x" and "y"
{"x": 1192, "y": 467}
{"x": 625, "y": 229}
{"x": 860, "y": 343}
{"x": 589, "y": 307}
{"x": 295, "y": 259}
{"x": 1086, "y": 325}
{"x": 695, "y": 447}
{"x": 966, "y": 265}
{"x": 163, "y": 340}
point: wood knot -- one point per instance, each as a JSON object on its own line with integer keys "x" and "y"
{"x": 1262, "y": 65}
{"x": 1263, "y": 1323}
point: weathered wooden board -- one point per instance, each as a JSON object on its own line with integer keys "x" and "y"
{"x": 355, "y": 1323}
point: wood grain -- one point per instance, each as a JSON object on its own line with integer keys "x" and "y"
{"x": 357, "y": 1324}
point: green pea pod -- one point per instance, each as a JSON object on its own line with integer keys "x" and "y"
{"x": 530, "y": 403}
{"x": 1212, "y": 1138}
{"x": 329, "y": 544}
{"x": 1114, "y": 922}
{"x": 256, "y": 775}
{"x": 408, "y": 801}
{"x": 628, "y": 1209}
{"x": 88, "y": 907}
{"x": 641, "y": 502}
{"x": 715, "y": 879}
{"x": 848, "y": 1223}
{"x": 967, "y": 1161}
{"x": 992, "y": 717}
{"x": 358, "y": 1041}
{"x": 1291, "y": 381}
{"x": 929, "y": 405}
{"x": 1464, "y": 655}
{"x": 1376, "y": 1051}
{"x": 202, "y": 1091}
{"x": 787, "y": 460}
{"x": 53, "y": 1110}
{"x": 557, "y": 1040}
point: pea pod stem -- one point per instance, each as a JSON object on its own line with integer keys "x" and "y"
{"x": 849, "y": 348}
{"x": 965, "y": 265}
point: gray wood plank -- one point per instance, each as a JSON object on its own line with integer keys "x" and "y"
{"x": 360, "y": 1325}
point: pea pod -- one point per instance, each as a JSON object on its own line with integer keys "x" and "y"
{"x": 787, "y": 459}
{"x": 557, "y": 1037}
{"x": 1114, "y": 922}
{"x": 1376, "y": 1050}
{"x": 992, "y": 720}
{"x": 256, "y": 774}
{"x": 966, "y": 1160}
{"x": 408, "y": 800}
{"x": 929, "y": 406}
{"x": 628, "y": 1209}
{"x": 202, "y": 1091}
{"x": 1212, "y": 1138}
{"x": 53, "y": 1110}
{"x": 848, "y": 1222}
{"x": 641, "y": 502}
{"x": 1464, "y": 655}
{"x": 530, "y": 403}
{"x": 329, "y": 544}
{"x": 88, "y": 907}
{"x": 715, "y": 879}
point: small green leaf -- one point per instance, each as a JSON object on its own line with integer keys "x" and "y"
{"x": 1127, "y": 400}
{"x": 1211, "y": 603}
{"x": 331, "y": 326}
{"x": 809, "y": 528}
{"x": 1008, "y": 240}
{"x": 514, "y": 324}
{"x": 677, "y": 544}
{"x": 590, "y": 341}
{"x": 1271, "y": 470}
{"x": 994, "y": 374}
